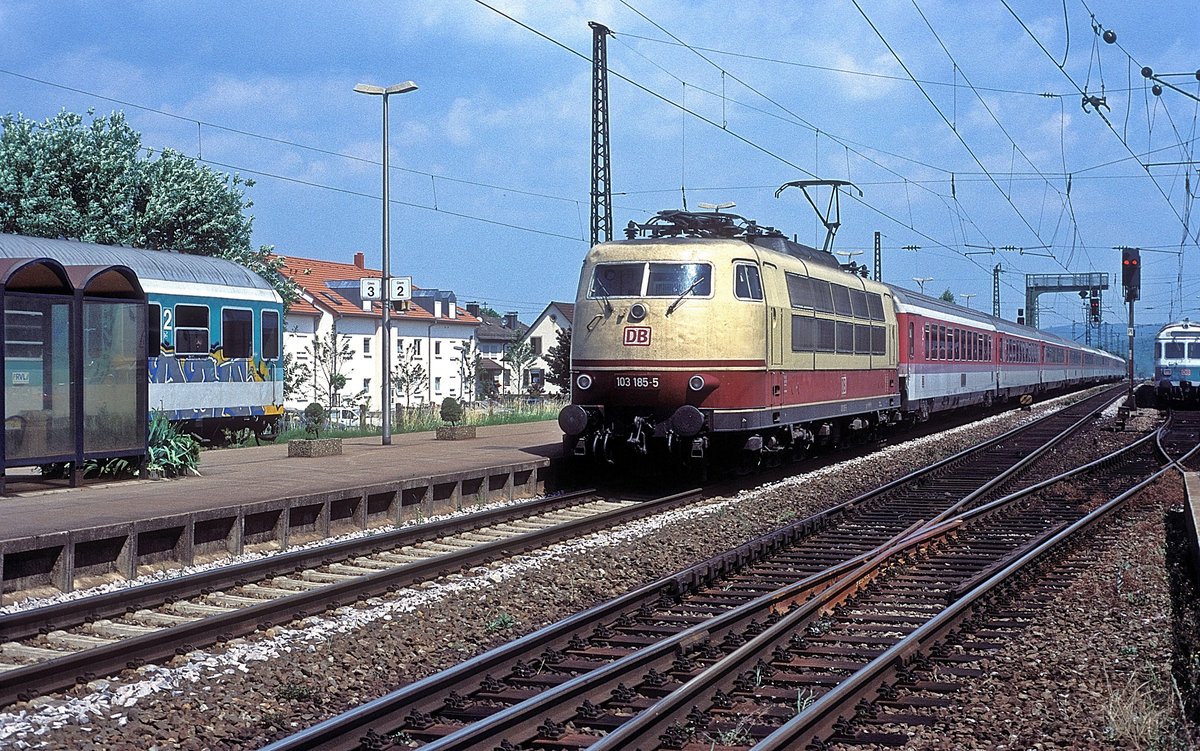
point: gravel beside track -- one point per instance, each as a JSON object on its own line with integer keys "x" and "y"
{"x": 252, "y": 691}
{"x": 1093, "y": 668}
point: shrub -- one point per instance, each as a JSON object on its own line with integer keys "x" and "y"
{"x": 452, "y": 411}
{"x": 314, "y": 418}
{"x": 171, "y": 452}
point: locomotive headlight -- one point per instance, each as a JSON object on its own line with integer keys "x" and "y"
{"x": 637, "y": 312}
{"x": 696, "y": 383}
{"x": 583, "y": 381}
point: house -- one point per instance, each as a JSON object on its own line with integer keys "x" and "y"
{"x": 494, "y": 335}
{"x": 542, "y": 335}
{"x": 428, "y": 341}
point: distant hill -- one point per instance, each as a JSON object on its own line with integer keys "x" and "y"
{"x": 1114, "y": 338}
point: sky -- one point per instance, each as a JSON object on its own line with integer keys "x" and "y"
{"x": 959, "y": 121}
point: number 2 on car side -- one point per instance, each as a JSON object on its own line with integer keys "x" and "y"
{"x": 637, "y": 336}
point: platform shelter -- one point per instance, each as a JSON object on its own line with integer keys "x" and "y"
{"x": 74, "y": 364}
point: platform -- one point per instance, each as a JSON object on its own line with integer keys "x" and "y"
{"x": 258, "y": 498}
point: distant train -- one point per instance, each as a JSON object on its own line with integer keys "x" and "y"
{"x": 1177, "y": 364}
{"x": 214, "y": 344}
{"x": 704, "y": 335}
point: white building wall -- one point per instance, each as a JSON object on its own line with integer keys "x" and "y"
{"x": 544, "y": 335}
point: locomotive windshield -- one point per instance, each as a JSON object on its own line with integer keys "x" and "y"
{"x": 651, "y": 280}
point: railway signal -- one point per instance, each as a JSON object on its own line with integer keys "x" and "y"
{"x": 1131, "y": 273}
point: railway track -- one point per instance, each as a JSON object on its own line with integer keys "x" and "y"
{"x": 1179, "y": 438}
{"x": 683, "y": 622}
{"x": 54, "y": 647}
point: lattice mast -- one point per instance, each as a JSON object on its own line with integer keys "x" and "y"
{"x": 602, "y": 222}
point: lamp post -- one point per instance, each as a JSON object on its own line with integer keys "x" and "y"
{"x": 400, "y": 88}
{"x": 921, "y": 281}
{"x": 967, "y": 297}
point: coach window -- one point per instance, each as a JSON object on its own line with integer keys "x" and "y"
{"x": 927, "y": 351}
{"x": 237, "y": 332}
{"x": 270, "y": 335}
{"x": 191, "y": 329}
{"x": 747, "y": 285}
{"x": 153, "y": 330}
{"x": 912, "y": 343}
{"x": 941, "y": 342}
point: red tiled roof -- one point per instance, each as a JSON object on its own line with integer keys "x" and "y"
{"x": 311, "y": 275}
{"x": 568, "y": 309}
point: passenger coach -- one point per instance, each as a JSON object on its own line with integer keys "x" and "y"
{"x": 214, "y": 344}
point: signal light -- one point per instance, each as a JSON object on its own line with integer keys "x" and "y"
{"x": 1095, "y": 309}
{"x": 1131, "y": 273}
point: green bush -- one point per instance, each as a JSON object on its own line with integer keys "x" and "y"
{"x": 314, "y": 418}
{"x": 170, "y": 452}
{"x": 452, "y": 411}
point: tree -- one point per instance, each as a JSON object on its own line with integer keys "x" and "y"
{"x": 558, "y": 358}
{"x": 295, "y": 376}
{"x": 519, "y": 356}
{"x": 409, "y": 377}
{"x": 66, "y": 178}
{"x": 948, "y": 296}
{"x": 470, "y": 363}
{"x": 328, "y": 354}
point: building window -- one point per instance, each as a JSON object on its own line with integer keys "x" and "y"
{"x": 437, "y": 349}
{"x": 536, "y": 343}
{"x": 437, "y": 384}
{"x": 366, "y": 384}
{"x": 399, "y": 346}
{"x": 366, "y": 346}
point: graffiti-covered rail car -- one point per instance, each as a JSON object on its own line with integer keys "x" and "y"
{"x": 214, "y": 349}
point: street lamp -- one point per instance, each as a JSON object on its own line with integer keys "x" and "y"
{"x": 400, "y": 88}
{"x": 967, "y": 296}
{"x": 921, "y": 281}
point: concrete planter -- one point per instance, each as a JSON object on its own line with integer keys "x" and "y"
{"x": 455, "y": 432}
{"x": 312, "y": 447}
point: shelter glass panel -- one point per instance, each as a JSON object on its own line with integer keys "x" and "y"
{"x": 37, "y": 379}
{"x": 112, "y": 340}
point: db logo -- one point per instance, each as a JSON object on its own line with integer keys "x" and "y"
{"x": 637, "y": 336}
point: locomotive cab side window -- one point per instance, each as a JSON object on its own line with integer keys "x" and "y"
{"x": 191, "y": 329}
{"x": 1173, "y": 350}
{"x": 747, "y": 284}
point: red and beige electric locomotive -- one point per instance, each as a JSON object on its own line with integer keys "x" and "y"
{"x": 704, "y": 334}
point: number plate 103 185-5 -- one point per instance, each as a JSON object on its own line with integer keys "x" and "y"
{"x": 636, "y": 382}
